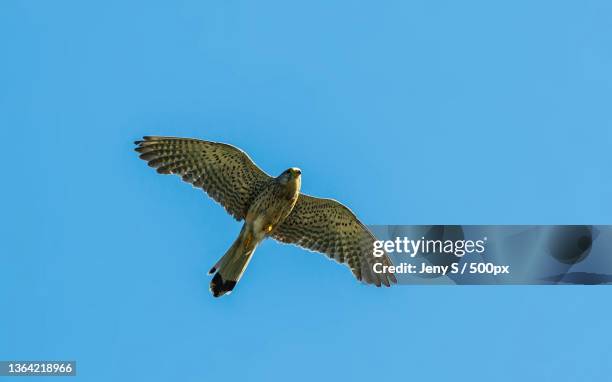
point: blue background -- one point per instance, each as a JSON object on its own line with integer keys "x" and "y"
{"x": 419, "y": 112}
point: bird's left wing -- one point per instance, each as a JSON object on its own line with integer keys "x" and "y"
{"x": 327, "y": 226}
{"x": 225, "y": 172}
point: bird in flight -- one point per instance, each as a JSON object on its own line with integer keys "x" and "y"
{"x": 270, "y": 207}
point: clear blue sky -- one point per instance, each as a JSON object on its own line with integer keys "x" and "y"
{"x": 410, "y": 112}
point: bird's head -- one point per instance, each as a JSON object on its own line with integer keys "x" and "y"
{"x": 290, "y": 175}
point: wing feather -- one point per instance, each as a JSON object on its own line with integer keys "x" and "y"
{"x": 225, "y": 172}
{"x": 327, "y": 226}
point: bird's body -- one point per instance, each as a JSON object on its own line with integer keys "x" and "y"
{"x": 276, "y": 200}
{"x": 268, "y": 210}
{"x": 270, "y": 207}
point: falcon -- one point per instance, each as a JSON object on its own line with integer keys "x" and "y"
{"x": 269, "y": 206}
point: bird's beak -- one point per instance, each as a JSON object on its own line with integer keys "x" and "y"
{"x": 297, "y": 172}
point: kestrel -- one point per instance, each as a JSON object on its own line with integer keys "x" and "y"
{"x": 270, "y": 207}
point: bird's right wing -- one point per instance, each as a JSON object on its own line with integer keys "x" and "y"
{"x": 327, "y": 226}
{"x": 225, "y": 172}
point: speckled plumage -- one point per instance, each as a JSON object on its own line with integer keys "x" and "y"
{"x": 329, "y": 227}
{"x": 225, "y": 172}
{"x": 270, "y": 207}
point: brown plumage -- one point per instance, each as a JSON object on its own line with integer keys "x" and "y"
{"x": 270, "y": 207}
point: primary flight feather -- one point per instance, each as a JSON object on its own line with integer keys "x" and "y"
{"x": 270, "y": 207}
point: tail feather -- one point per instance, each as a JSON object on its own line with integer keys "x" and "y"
{"x": 229, "y": 269}
{"x": 219, "y": 286}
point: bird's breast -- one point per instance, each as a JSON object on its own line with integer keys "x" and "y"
{"x": 270, "y": 208}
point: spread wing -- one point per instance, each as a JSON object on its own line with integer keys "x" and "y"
{"x": 225, "y": 172}
{"x": 327, "y": 226}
